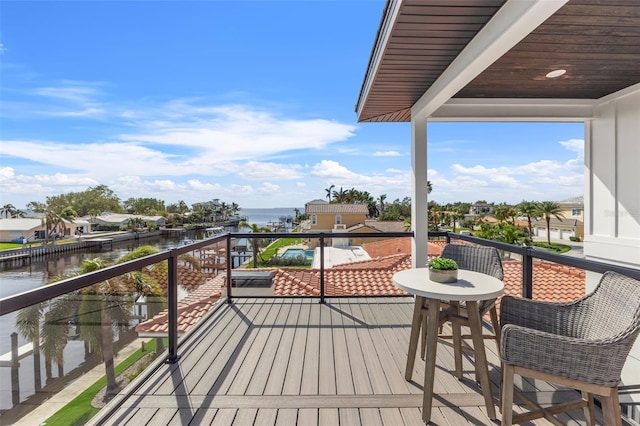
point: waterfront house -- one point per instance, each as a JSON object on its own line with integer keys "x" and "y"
{"x": 121, "y": 221}
{"x": 327, "y": 217}
{"x": 31, "y": 229}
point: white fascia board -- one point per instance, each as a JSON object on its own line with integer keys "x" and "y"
{"x": 379, "y": 49}
{"x": 534, "y": 110}
{"x": 512, "y": 23}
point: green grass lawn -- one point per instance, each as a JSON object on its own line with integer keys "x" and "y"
{"x": 273, "y": 248}
{"x": 79, "y": 410}
{"x": 9, "y": 246}
{"x": 554, "y": 247}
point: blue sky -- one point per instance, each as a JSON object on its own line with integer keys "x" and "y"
{"x": 248, "y": 102}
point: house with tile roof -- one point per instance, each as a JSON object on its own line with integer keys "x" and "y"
{"x": 329, "y": 216}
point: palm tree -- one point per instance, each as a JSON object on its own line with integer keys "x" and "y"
{"x": 18, "y": 213}
{"x": 381, "y": 200}
{"x": 547, "y": 209}
{"x": 529, "y": 209}
{"x": 103, "y": 305}
{"x": 456, "y": 217}
{"x": 7, "y": 210}
{"x": 51, "y": 221}
{"x": 28, "y": 325}
{"x": 328, "y": 191}
{"x": 429, "y": 187}
{"x": 256, "y": 243}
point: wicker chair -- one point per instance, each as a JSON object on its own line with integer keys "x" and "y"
{"x": 485, "y": 260}
{"x": 582, "y": 344}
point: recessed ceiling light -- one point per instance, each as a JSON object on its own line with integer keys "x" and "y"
{"x": 556, "y": 73}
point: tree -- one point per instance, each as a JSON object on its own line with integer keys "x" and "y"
{"x": 529, "y": 209}
{"x": 18, "y": 213}
{"x": 68, "y": 213}
{"x": 99, "y": 198}
{"x": 108, "y": 305}
{"x": 429, "y": 187}
{"x": 456, "y": 217}
{"x": 547, "y": 209}
{"x": 328, "y": 191}
{"x": 28, "y": 325}
{"x": 7, "y": 210}
{"x": 256, "y": 243}
{"x": 36, "y": 206}
{"x": 381, "y": 200}
{"x": 52, "y": 223}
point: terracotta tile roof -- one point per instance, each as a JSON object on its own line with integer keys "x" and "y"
{"x": 191, "y": 309}
{"x": 399, "y": 245}
{"x": 336, "y": 209}
{"x": 386, "y": 226}
{"x": 188, "y": 278}
{"x": 551, "y": 282}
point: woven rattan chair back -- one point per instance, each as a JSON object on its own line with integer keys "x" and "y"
{"x": 485, "y": 260}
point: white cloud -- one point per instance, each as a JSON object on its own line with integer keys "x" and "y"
{"x": 575, "y": 145}
{"x": 255, "y": 170}
{"x": 236, "y": 132}
{"x": 386, "y": 154}
{"x": 72, "y": 91}
{"x": 330, "y": 169}
{"x": 2, "y": 48}
{"x": 269, "y": 188}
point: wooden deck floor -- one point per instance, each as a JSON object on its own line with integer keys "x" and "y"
{"x": 295, "y": 361}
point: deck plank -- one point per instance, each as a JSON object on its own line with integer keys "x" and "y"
{"x": 245, "y": 363}
{"x": 233, "y": 364}
{"x": 351, "y": 323}
{"x": 308, "y": 417}
{"x": 266, "y": 361}
{"x": 308, "y": 352}
{"x": 296, "y": 361}
{"x": 287, "y": 417}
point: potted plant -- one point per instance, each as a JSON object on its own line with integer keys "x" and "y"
{"x": 443, "y": 270}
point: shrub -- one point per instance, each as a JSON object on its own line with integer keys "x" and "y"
{"x": 575, "y": 239}
{"x": 289, "y": 261}
{"x": 443, "y": 263}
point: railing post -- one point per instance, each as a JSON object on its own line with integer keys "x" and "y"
{"x": 229, "y": 269}
{"x": 447, "y": 238}
{"x": 321, "y": 268}
{"x": 15, "y": 370}
{"x": 527, "y": 274}
{"x": 172, "y": 302}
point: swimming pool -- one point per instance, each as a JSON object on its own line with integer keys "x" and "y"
{"x": 292, "y": 253}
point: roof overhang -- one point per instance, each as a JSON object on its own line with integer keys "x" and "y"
{"x": 488, "y": 59}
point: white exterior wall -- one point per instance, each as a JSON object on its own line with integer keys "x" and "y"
{"x": 612, "y": 196}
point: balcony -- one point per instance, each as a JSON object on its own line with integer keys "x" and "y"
{"x": 334, "y": 358}
{"x": 297, "y": 361}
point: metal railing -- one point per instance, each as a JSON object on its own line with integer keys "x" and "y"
{"x": 16, "y": 302}
{"x": 32, "y": 297}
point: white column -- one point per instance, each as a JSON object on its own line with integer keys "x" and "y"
{"x": 419, "y": 222}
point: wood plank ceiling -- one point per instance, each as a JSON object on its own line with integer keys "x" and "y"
{"x": 596, "y": 41}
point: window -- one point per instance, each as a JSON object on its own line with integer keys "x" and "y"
{"x": 576, "y": 212}
{"x": 338, "y": 219}
{"x": 314, "y": 219}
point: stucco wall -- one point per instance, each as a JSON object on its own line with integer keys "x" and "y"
{"x": 612, "y": 192}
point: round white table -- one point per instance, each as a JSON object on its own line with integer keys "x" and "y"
{"x": 470, "y": 288}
